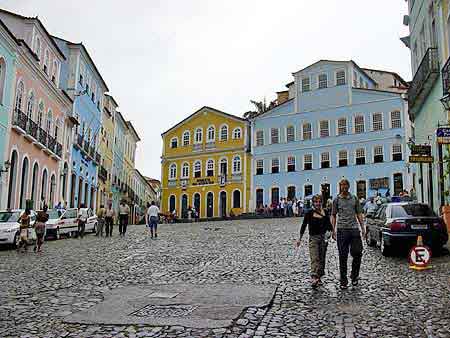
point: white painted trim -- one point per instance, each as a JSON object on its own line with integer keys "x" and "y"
{"x": 240, "y": 199}
{"x": 207, "y": 133}
{"x": 182, "y": 170}
{"x": 234, "y": 130}
{"x": 365, "y": 155}
{"x": 373, "y": 153}
{"x": 220, "y": 131}
{"x": 206, "y": 204}
{"x": 372, "y": 124}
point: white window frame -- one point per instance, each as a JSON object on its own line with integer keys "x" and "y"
{"x": 221, "y": 138}
{"x": 321, "y": 159}
{"x": 295, "y": 162}
{"x": 312, "y": 161}
{"x": 278, "y": 135}
{"x": 373, "y": 121}
{"x": 391, "y": 120}
{"x": 173, "y": 177}
{"x": 365, "y": 155}
{"x": 346, "y": 126}
{"x": 339, "y": 157}
{"x": 320, "y": 130}
{"x": 308, "y": 85}
{"x": 197, "y": 165}
{"x": 208, "y": 130}
{"x": 293, "y": 133}
{"x": 201, "y": 135}
{"x": 237, "y": 130}
{"x": 336, "y": 77}
{"x": 258, "y": 167}
{"x": 256, "y": 136}
{"x": 318, "y": 80}
{"x": 363, "y": 124}
{"x": 271, "y": 165}
{"x": 183, "y": 167}
{"x": 208, "y": 161}
{"x": 236, "y": 167}
{"x": 171, "y": 142}
{"x": 188, "y": 133}
{"x": 401, "y": 151}
{"x": 382, "y": 153}
{"x": 303, "y": 131}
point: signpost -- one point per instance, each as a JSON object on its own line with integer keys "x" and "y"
{"x": 419, "y": 256}
{"x": 443, "y": 135}
{"x": 421, "y": 153}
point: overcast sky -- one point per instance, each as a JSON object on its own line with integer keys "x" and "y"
{"x": 164, "y": 59}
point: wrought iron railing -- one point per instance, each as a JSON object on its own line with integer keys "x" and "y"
{"x": 59, "y": 149}
{"x": 51, "y": 144}
{"x": 32, "y": 129}
{"x": 86, "y": 146}
{"x": 102, "y": 173}
{"x": 20, "y": 119}
{"x": 446, "y": 78}
{"x": 97, "y": 157}
{"x": 79, "y": 140}
{"x": 92, "y": 151}
{"x": 42, "y": 136}
{"x": 428, "y": 66}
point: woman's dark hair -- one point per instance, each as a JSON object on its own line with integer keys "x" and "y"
{"x": 45, "y": 208}
{"x": 27, "y": 211}
{"x": 317, "y": 197}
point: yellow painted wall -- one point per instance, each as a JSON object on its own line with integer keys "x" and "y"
{"x": 189, "y": 154}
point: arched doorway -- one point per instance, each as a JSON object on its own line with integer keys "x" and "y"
{"x": 73, "y": 183}
{"x": 12, "y": 180}
{"x": 23, "y": 184}
{"x": 223, "y": 204}
{"x": 209, "y": 205}
{"x": 64, "y": 182}
{"x": 52, "y": 191}
{"x": 34, "y": 183}
{"x": 44, "y": 188}
{"x": 80, "y": 191}
{"x": 197, "y": 203}
{"x": 275, "y": 196}
{"x": 259, "y": 198}
{"x": 184, "y": 206}
{"x": 92, "y": 198}
{"x": 86, "y": 194}
{"x": 236, "y": 199}
{"x": 172, "y": 203}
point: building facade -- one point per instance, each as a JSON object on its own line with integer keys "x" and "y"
{"x": 118, "y": 174}
{"x": 85, "y": 85}
{"x": 428, "y": 40}
{"x": 131, "y": 140}
{"x": 8, "y": 52}
{"x": 40, "y": 116}
{"x": 205, "y": 164}
{"x": 334, "y": 121}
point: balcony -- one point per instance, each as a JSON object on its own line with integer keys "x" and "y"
{"x": 445, "y": 72}
{"x": 51, "y": 144}
{"x": 42, "y": 138}
{"x": 79, "y": 142}
{"x": 20, "y": 122}
{"x": 423, "y": 81}
{"x": 197, "y": 147}
{"x": 59, "y": 149}
{"x": 32, "y": 130}
{"x": 86, "y": 147}
{"x": 97, "y": 158}
{"x": 102, "y": 173}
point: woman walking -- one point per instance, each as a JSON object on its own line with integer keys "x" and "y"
{"x": 39, "y": 227}
{"x": 318, "y": 223}
{"x": 24, "y": 221}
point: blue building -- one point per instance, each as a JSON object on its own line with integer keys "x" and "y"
{"x": 335, "y": 121}
{"x": 118, "y": 169}
{"x": 84, "y": 83}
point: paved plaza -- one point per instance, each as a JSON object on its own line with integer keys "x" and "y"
{"x": 43, "y": 295}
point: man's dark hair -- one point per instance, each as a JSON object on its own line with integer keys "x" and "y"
{"x": 153, "y": 202}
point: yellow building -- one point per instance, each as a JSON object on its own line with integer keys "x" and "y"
{"x": 104, "y": 197}
{"x": 206, "y": 164}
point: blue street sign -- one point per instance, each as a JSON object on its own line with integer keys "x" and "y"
{"x": 443, "y": 135}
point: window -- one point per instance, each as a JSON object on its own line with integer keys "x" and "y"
{"x": 360, "y": 156}
{"x": 173, "y": 171}
{"x": 30, "y": 105}
{"x": 377, "y": 121}
{"x": 275, "y": 195}
{"x": 290, "y": 134}
{"x": 291, "y": 164}
{"x": 237, "y": 165}
{"x": 342, "y": 126}
{"x": 198, "y": 135}
{"x": 236, "y": 199}
{"x": 55, "y": 71}
{"x": 197, "y": 169}
{"x": 306, "y": 86}
{"x": 80, "y": 80}
{"x": 185, "y": 171}
{"x": 259, "y": 138}
{"x": 325, "y": 160}
{"x": 324, "y": 128}
{"x": 19, "y": 96}
{"x": 186, "y": 138}
{"x": 275, "y": 166}
{"x": 49, "y": 122}
{"x": 307, "y": 131}
{"x": 2, "y": 78}
{"x": 355, "y": 79}
{"x": 359, "y": 124}
{"x": 307, "y": 162}
{"x": 259, "y": 167}
{"x": 343, "y": 158}
{"x": 46, "y": 62}
{"x": 211, "y": 133}
{"x": 323, "y": 81}
{"x": 174, "y": 143}
{"x": 396, "y": 120}
{"x": 308, "y": 190}
{"x": 397, "y": 154}
{"x": 38, "y": 48}
{"x": 224, "y": 133}
{"x": 237, "y": 133}
{"x": 210, "y": 168}
{"x": 274, "y": 135}
{"x": 291, "y": 192}
{"x": 259, "y": 198}
{"x": 40, "y": 114}
{"x": 378, "y": 154}
{"x": 340, "y": 78}
{"x": 361, "y": 82}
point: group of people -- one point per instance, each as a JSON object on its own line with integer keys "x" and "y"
{"x": 345, "y": 224}
{"x": 106, "y": 216}
{"x": 39, "y": 227}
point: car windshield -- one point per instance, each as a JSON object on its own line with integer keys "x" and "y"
{"x": 414, "y": 210}
{"x": 9, "y": 216}
{"x": 53, "y": 213}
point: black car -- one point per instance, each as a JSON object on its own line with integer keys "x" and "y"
{"x": 398, "y": 225}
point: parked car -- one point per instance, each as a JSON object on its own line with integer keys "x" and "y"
{"x": 61, "y": 222}
{"x": 92, "y": 221}
{"x": 10, "y": 227}
{"x": 399, "y": 224}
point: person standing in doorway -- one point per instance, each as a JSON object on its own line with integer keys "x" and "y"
{"x": 152, "y": 219}
{"x": 82, "y": 219}
{"x": 124, "y": 211}
{"x": 101, "y": 220}
{"x": 39, "y": 227}
{"x": 347, "y": 220}
{"x": 109, "y": 221}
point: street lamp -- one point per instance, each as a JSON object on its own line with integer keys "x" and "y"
{"x": 446, "y": 101}
{"x": 5, "y": 167}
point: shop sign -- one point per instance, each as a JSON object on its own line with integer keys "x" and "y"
{"x": 379, "y": 183}
{"x": 420, "y": 150}
{"x": 421, "y": 159}
{"x": 203, "y": 181}
{"x": 443, "y": 135}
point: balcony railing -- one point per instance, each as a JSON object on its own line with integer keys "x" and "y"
{"x": 92, "y": 151}
{"x": 86, "y": 146}
{"x": 42, "y": 137}
{"x": 103, "y": 173}
{"x": 59, "y": 149}
{"x": 32, "y": 129}
{"x": 20, "y": 119}
{"x": 446, "y": 78}
{"x": 51, "y": 144}
{"x": 97, "y": 158}
{"x": 80, "y": 140}
{"x": 423, "y": 80}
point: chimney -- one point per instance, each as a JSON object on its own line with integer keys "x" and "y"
{"x": 282, "y": 96}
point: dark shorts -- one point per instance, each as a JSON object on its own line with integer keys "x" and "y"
{"x": 153, "y": 222}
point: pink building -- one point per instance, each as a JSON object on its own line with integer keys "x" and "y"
{"x": 41, "y": 129}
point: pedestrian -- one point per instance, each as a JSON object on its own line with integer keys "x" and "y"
{"x": 318, "y": 222}
{"x": 24, "y": 221}
{"x": 101, "y": 220}
{"x": 39, "y": 227}
{"x": 124, "y": 210}
{"x": 370, "y": 207}
{"x": 347, "y": 220}
{"x": 82, "y": 219}
{"x": 295, "y": 208}
{"x": 109, "y": 221}
{"x": 152, "y": 219}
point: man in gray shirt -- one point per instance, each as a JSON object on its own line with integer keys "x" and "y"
{"x": 347, "y": 219}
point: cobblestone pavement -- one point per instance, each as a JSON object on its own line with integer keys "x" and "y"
{"x": 38, "y": 290}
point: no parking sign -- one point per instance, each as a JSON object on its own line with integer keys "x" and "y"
{"x": 419, "y": 257}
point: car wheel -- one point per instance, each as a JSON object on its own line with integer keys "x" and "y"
{"x": 385, "y": 249}
{"x": 369, "y": 240}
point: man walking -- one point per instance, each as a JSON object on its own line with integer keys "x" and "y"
{"x": 109, "y": 220}
{"x": 101, "y": 220}
{"x": 124, "y": 210}
{"x": 346, "y": 219}
{"x": 82, "y": 219}
{"x": 152, "y": 219}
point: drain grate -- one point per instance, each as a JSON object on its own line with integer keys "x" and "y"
{"x": 164, "y": 311}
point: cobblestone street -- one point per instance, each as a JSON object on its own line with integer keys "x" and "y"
{"x": 37, "y": 291}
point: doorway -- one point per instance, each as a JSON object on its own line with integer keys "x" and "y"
{"x": 197, "y": 203}
{"x": 361, "y": 189}
{"x": 184, "y": 206}
{"x": 209, "y": 205}
{"x": 325, "y": 192}
{"x": 223, "y": 204}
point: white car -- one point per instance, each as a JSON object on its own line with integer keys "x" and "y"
{"x": 10, "y": 227}
{"x": 61, "y": 222}
{"x": 92, "y": 221}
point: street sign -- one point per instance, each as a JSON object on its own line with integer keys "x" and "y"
{"x": 419, "y": 257}
{"x": 420, "y": 159}
{"x": 421, "y": 150}
{"x": 443, "y": 135}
